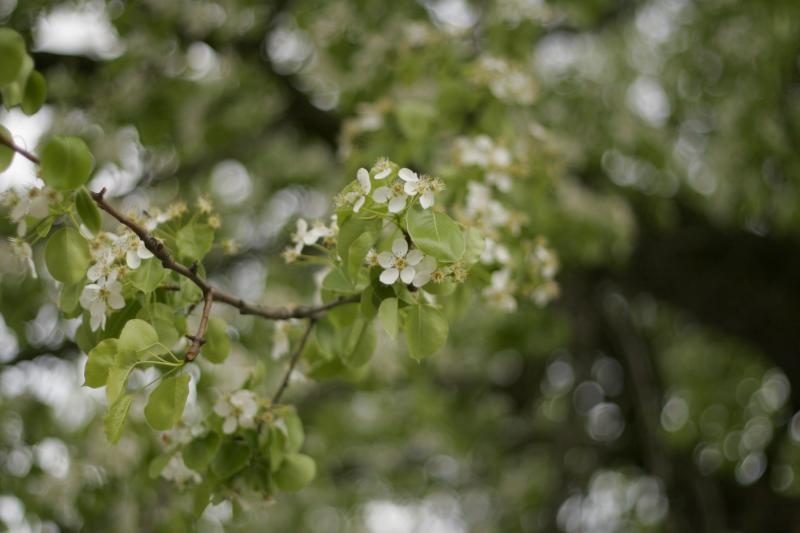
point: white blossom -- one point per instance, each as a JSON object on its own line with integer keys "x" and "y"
{"x": 394, "y": 194}
{"x": 501, "y": 291}
{"x": 177, "y": 471}
{"x": 399, "y": 263}
{"x": 238, "y": 410}
{"x": 364, "y": 188}
{"x": 417, "y": 186}
{"x": 22, "y": 250}
{"x": 304, "y": 235}
{"x": 99, "y": 297}
{"x": 34, "y": 202}
{"x": 136, "y": 252}
{"x": 423, "y": 271}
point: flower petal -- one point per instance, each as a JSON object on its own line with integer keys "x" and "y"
{"x": 386, "y": 259}
{"x": 406, "y": 174}
{"x": 381, "y": 195}
{"x": 359, "y": 203}
{"x": 363, "y": 179}
{"x": 397, "y": 204}
{"x": 414, "y": 257}
{"x": 410, "y": 188}
{"x": 230, "y": 425}
{"x": 426, "y": 200}
{"x": 383, "y": 174}
{"x": 407, "y": 275}
{"x": 428, "y": 265}
{"x": 421, "y": 279}
{"x": 389, "y": 276}
{"x": 400, "y": 247}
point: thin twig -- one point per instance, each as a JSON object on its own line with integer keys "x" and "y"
{"x": 21, "y": 151}
{"x": 295, "y": 357}
{"x": 199, "y": 338}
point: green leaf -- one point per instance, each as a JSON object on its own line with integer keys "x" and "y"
{"x": 66, "y": 162}
{"x": 149, "y": 276}
{"x": 195, "y": 240}
{"x": 12, "y": 52}
{"x": 356, "y": 254}
{"x": 101, "y": 359}
{"x": 117, "y": 381}
{"x": 356, "y": 236}
{"x": 115, "y": 418}
{"x": 426, "y": 330}
{"x": 14, "y": 91}
{"x": 198, "y": 453}
{"x": 435, "y": 234}
{"x": 231, "y": 458}
{"x": 475, "y": 245}
{"x": 35, "y": 93}
{"x": 6, "y": 153}
{"x": 337, "y": 281}
{"x": 218, "y": 344}
{"x": 139, "y": 338}
{"x": 87, "y": 210}
{"x": 67, "y": 255}
{"x": 201, "y": 497}
{"x": 296, "y": 472}
{"x": 165, "y": 405}
{"x": 69, "y": 300}
{"x": 294, "y": 430}
{"x": 387, "y": 314}
{"x": 164, "y": 320}
{"x": 360, "y": 343}
{"x": 158, "y": 463}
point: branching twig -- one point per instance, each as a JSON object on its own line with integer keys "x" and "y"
{"x": 199, "y": 338}
{"x": 295, "y": 357}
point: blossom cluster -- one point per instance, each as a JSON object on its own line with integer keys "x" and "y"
{"x": 506, "y": 81}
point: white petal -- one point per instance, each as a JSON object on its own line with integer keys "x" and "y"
{"x": 302, "y": 226}
{"x": 407, "y": 275}
{"x": 133, "y": 259}
{"x": 427, "y": 265}
{"x": 311, "y": 237}
{"x": 116, "y": 301}
{"x": 363, "y": 179}
{"x": 407, "y": 174}
{"x": 414, "y": 257}
{"x": 97, "y": 321}
{"x": 426, "y": 200}
{"x": 397, "y": 204}
{"x": 230, "y": 425}
{"x": 421, "y": 279}
{"x": 143, "y": 252}
{"x": 400, "y": 247}
{"x": 359, "y": 203}
{"x": 223, "y": 408}
{"x": 410, "y": 188}
{"x": 385, "y": 259}
{"x": 94, "y": 272}
{"x": 389, "y": 276}
{"x": 381, "y": 195}
{"x": 383, "y": 174}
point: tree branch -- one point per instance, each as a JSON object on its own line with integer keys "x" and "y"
{"x": 21, "y": 151}
{"x": 199, "y": 338}
{"x": 295, "y": 357}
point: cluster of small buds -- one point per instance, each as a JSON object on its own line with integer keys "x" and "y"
{"x": 32, "y": 202}
{"x": 481, "y": 151}
{"x": 238, "y": 410}
{"x": 506, "y": 81}
{"x": 309, "y": 235}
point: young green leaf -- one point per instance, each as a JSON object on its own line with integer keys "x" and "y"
{"x": 115, "y": 417}
{"x": 158, "y": 463}
{"x": 231, "y": 458}
{"x": 198, "y": 453}
{"x": 101, "y": 359}
{"x": 140, "y": 338}
{"x": 148, "y": 276}
{"x": 35, "y": 93}
{"x": 195, "y": 240}
{"x": 12, "y": 50}
{"x": 117, "y": 380}
{"x": 218, "y": 344}
{"x": 426, "y": 330}
{"x": 67, "y": 255}
{"x": 387, "y": 314}
{"x": 165, "y": 405}
{"x": 6, "y": 153}
{"x": 66, "y": 162}
{"x": 87, "y": 210}
{"x": 435, "y": 234}
{"x": 296, "y": 472}
{"x": 164, "y": 320}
